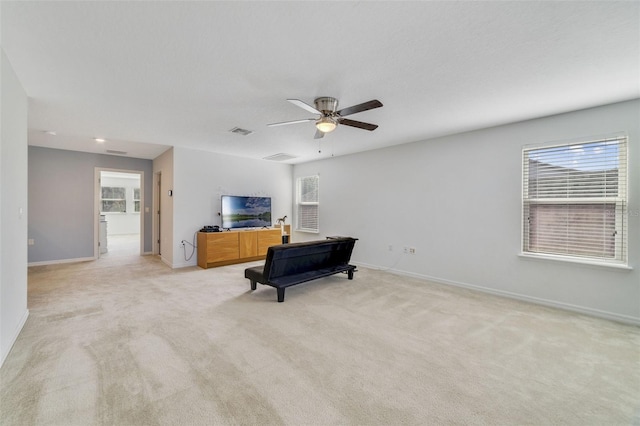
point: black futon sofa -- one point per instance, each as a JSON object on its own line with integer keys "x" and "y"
{"x": 290, "y": 264}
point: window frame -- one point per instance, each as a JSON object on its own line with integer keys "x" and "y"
{"x": 619, "y": 201}
{"x": 303, "y": 204}
{"x": 136, "y": 200}
{"x": 102, "y": 200}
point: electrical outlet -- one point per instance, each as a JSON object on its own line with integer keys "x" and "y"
{"x": 31, "y": 242}
{"x": 412, "y": 250}
{"x": 182, "y": 244}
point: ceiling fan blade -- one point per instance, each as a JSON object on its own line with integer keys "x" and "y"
{"x": 358, "y": 124}
{"x": 303, "y": 105}
{"x": 284, "y": 123}
{"x": 318, "y": 134}
{"x": 360, "y": 107}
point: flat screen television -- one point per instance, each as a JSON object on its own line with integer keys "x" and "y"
{"x": 245, "y": 212}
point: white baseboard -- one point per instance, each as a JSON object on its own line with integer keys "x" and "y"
{"x": 517, "y": 296}
{"x": 184, "y": 265}
{"x": 75, "y": 260}
{"x": 166, "y": 262}
{"x": 55, "y": 262}
{"x": 14, "y": 337}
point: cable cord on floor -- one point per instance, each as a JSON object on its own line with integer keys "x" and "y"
{"x": 193, "y": 247}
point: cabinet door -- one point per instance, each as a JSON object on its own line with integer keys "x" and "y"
{"x": 222, "y": 246}
{"x": 268, "y": 238}
{"x": 248, "y": 244}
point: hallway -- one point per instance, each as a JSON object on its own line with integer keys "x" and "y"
{"x": 122, "y": 245}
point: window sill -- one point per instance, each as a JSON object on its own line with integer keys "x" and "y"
{"x": 575, "y": 260}
{"x": 309, "y": 231}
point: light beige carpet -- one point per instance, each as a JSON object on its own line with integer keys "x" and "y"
{"x": 128, "y": 341}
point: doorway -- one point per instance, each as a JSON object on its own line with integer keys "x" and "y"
{"x": 120, "y": 220}
{"x": 157, "y": 198}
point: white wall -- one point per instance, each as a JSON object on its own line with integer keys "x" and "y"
{"x": 457, "y": 200}
{"x": 123, "y": 223}
{"x": 163, "y": 166}
{"x": 13, "y": 207}
{"x": 200, "y": 178}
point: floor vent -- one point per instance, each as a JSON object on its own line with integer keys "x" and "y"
{"x": 280, "y": 157}
{"x": 239, "y": 131}
{"x": 113, "y": 151}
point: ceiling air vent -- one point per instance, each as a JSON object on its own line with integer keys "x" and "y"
{"x": 280, "y": 157}
{"x": 112, "y": 151}
{"x": 239, "y": 131}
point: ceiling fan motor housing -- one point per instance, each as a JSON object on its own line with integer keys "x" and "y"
{"x": 326, "y": 105}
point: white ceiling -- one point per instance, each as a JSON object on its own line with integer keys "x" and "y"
{"x": 149, "y": 75}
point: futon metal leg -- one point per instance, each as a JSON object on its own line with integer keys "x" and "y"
{"x": 350, "y": 274}
{"x": 253, "y": 285}
{"x": 280, "y": 294}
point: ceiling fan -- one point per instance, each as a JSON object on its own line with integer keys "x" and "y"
{"x": 330, "y": 118}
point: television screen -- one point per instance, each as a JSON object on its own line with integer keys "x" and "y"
{"x": 245, "y": 212}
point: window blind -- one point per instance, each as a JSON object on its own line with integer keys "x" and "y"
{"x": 308, "y": 205}
{"x": 574, "y": 200}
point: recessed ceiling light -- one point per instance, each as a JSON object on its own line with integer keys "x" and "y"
{"x": 99, "y": 140}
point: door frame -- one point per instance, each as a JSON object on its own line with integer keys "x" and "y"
{"x": 96, "y": 206}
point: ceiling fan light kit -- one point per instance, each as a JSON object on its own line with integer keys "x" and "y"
{"x": 329, "y": 118}
{"x": 326, "y": 124}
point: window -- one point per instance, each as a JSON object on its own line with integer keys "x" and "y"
{"x": 574, "y": 201}
{"x": 113, "y": 199}
{"x": 307, "y": 204}
{"x": 136, "y": 200}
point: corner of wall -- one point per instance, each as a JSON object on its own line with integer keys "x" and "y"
{"x": 13, "y": 207}
{"x": 163, "y": 167}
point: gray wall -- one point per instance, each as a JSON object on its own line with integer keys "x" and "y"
{"x": 61, "y": 201}
{"x": 457, "y": 200}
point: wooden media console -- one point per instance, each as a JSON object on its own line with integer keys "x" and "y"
{"x": 236, "y": 246}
